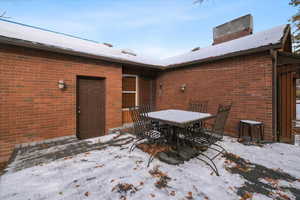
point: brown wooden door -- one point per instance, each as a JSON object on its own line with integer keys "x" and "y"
{"x": 90, "y": 107}
{"x": 287, "y": 105}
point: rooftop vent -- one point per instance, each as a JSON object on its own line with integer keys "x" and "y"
{"x": 234, "y": 29}
{"x": 107, "y": 44}
{"x": 128, "y": 52}
{"x": 195, "y": 49}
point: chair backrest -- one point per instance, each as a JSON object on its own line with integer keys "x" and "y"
{"x": 198, "y": 106}
{"x": 144, "y": 110}
{"x": 221, "y": 118}
{"x": 139, "y": 116}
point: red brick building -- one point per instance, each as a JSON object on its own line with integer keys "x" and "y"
{"x": 54, "y": 85}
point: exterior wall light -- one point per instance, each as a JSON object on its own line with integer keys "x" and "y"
{"x": 160, "y": 85}
{"x": 61, "y": 84}
{"x": 183, "y": 87}
{"x": 160, "y": 89}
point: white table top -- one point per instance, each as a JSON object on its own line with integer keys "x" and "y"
{"x": 178, "y": 116}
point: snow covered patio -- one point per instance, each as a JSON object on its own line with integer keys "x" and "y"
{"x": 100, "y": 169}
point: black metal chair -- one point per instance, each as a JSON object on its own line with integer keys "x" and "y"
{"x": 198, "y": 106}
{"x": 207, "y": 137}
{"x": 143, "y": 128}
{"x": 145, "y": 109}
{"x": 217, "y": 129}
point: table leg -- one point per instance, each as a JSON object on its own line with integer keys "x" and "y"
{"x": 250, "y": 132}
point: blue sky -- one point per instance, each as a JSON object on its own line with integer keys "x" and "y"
{"x": 159, "y": 28}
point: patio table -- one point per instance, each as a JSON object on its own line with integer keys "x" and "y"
{"x": 178, "y": 118}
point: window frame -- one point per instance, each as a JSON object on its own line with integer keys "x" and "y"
{"x": 136, "y": 92}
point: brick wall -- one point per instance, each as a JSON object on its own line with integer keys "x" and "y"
{"x": 232, "y": 36}
{"x": 246, "y": 81}
{"x": 32, "y": 107}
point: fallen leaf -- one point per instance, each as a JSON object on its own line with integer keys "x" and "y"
{"x": 190, "y": 195}
{"x": 123, "y": 198}
{"x": 283, "y": 196}
{"x": 138, "y": 161}
{"x": 87, "y": 194}
{"x": 240, "y": 140}
{"x": 173, "y": 193}
{"x": 141, "y": 183}
{"x": 247, "y": 195}
{"x": 231, "y": 188}
{"x": 112, "y": 180}
{"x": 271, "y": 181}
{"x": 152, "y": 195}
{"x": 77, "y": 185}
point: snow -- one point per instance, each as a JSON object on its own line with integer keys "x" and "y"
{"x": 251, "y": 122}
{"x": 39, "y": 36}
{"x": 276, "y": 156}
{"x": 264, "y": 38}
{"x": 178, "y": 116}
{"x": 93, "y": 175}
{"x": 17, "y": 32}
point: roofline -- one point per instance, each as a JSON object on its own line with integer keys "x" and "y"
{"x": 24, "y": 43}
{"x": 238, "y": 53}
{"x": 278, "y": 45}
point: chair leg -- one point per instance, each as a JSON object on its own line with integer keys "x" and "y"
{"x": 240, "y": 130}
{"x": 151, "y": 158}
{"x": 250, "y": 132}
{"x": 223, "y": 149}
{"x": 262, "y": 132}
{"x": 133, "y": 146}
{"x": 212, "y": 166}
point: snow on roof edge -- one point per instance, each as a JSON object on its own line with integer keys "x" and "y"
{"x": 17, "y": 32}
{"x": 263, "y": 39}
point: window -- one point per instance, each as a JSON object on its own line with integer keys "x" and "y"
{"x": 129, "y": 91}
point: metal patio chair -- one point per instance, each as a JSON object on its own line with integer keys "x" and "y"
{"x": 197, "y": 106}
{"x": 145, "y": 109}
{"x": 208, "y": 137}
{"x": 144, "y": 129}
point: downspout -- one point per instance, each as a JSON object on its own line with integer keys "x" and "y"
{"x": 275, "y": 131}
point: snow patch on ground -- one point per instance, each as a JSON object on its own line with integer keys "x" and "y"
{"x": 94, "y": 174}
{"x": 275, "y": 156}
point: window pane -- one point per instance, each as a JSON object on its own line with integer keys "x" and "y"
{"x": 128, "y": 84}
{"x": 128, "y": 100}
